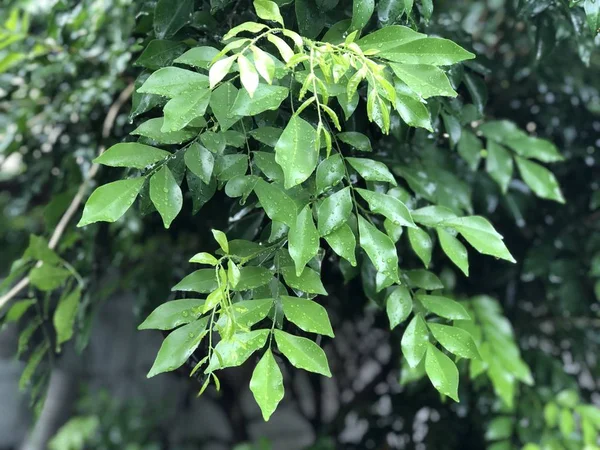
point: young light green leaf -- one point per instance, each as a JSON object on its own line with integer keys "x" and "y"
{"x": 171, "y": 314}
{"x": 268, "y": 10}
{"x": 220, "y": 69}
{"x": 266, "y": 383}
{"x": 131, "y": 154}
{"x": 302, "y": 353}
{"x": 166, "y": 195}
{"x": 203, "y": 281}
{"x": 200, "y": 161}
{"x": 444, "y": 307}
{"x": 541, "y": 181}
{"x": 427, "y": 81}
{"x": 264, "y": 63}
{"x": 266, "y": 97}
{"x": 372, "y": 170}
{"x": 334, "y": 211}
{"x": 499, "y": 164}
{"x": 455, "y": 250}
{"x": 442, "y": 372}
{"x": 420, "y": 241}
{"x": 284, "y": 49}
{"x": 178, "y": 347}
{"x": 248, "y": 75}
{"x": 250, "y": 27}
{"x": 480, "y": 234}
{"x": 379, "y": 247}
{"x": 64, "y": 316}
{"x": 303, "y": 239}
{"x": 235, "y": 351}
{"x": 276, "y": 203}
{"x": 307, "y": 315}
{"x": 398, "y": 305}
{"x": 387, "y": 206}
{"x": 221, "y": 239}
{"x": 343, "y": 242}
{"x": 308, "y": 281}
{"x": 455, "y": 340}
{"x": 296, "y": 152}
{"x": 110, "y": 201}
{"x": 414, "y": 341}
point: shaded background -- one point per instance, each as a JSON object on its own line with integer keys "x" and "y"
{"x": 59, "y": 78}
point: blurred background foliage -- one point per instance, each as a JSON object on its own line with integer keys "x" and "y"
{"x": 64, "y": 63}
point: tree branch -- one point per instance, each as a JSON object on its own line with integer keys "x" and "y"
{"x": 107, "y": 127}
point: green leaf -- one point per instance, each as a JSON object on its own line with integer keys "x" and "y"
{"x": 200, "y": 161}
{"x": 362, "y": 10}
{"x": 412, "y": 111}
{"x": 329, "y": 173}
{"x": 266, "y": 135}
{"x": 303, "y": 237}
{"x": 456, "y": 340}
{"x": 420, "y": 241}
{"x": 39, "y": 250}
{"x": 166, "y": 195}
{"x": 170, "y": 17}
{"x": 172, "y": 82}
{"x": 252, "y": 277}
{"x": 296, "y": 151}
{"x": 302, "y": 353}
{"x": 32, "y": 364}
{"x": 388, "y": 11}
{"x": 178, "y": 346}
{"x": 453, "y": 128}
{"x": 235, "y": 351}
{"x": 249, "y": 312}
{"x": 266, "y": 163}
{"x": 109, "y": 202}
{"x": 248, "y": 75}
{"x": 469, "y": 148}
{"x": 266, "y": 383}
{"x": 307, "y": 315}
{"x": 357, "y": 140}
{"x": 541, "y": 181}
{"x": 455, "y": 250}
{"x": 172, "y": 314}
{"x": 372, "y": 170}
{"x": 160, "y": 53}
{"x": 444, "y": 307}
{"x": 480, "y": 234}
{"x": 219, "y": 70}
{"x": 221, "y": 102}
{"x": 131, "y": 154}
{"x": 388, "y": 37}
{"x": 152, "y": 130}
{"x": 266, "y": 97}
{"x": 310, "y": 20}
{"x": 308, "y": 281}
{"x": 423, "y": 279}
{"x": 201, "y": 192}
{"x": 268, "y": 10}
{"x": 64, "y": 316}
{"x": 398, "y": 306}
{"x": 18, "y": 309}
{"x": 414, "y": 341}
{"x": 181, "y": 110}
{"x": 431, "y": 216}
{"x": 200, "y": 57}
{"x": 427, "y": 81}
{"x": 388, "y": 206}
{"x": 592, "y": 12}
{"x": 379, "y": 247}
{"x": 215, "y": 142}
{"x": 430, "y": 51}
{"x": 442, "y": 372}
{"x": 334, "y": 211}
{"x": 499, "y": 164}
{"x": 531, "y": 147}
{"x": 343, "y": 243}
{"x": 203, "y": 281}
{"x": 277, "y": 204}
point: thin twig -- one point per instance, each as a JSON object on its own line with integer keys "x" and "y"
{"x": 107, "y": 127}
